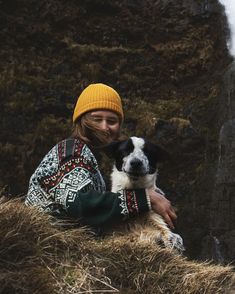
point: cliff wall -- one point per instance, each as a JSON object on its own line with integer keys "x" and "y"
{"x": 167, "y": 59}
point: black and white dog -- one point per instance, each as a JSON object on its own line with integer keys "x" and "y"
{"x": 135, "y": 167}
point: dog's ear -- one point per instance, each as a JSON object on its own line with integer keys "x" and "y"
{"x": 111, "y": 148}
{"x": 160, "y": 153}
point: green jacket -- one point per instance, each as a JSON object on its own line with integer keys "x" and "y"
{"x": 68, "y": 183}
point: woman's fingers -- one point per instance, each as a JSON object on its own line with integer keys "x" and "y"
{"x": 168, "y": 220}
{"x": 172, "y": 213}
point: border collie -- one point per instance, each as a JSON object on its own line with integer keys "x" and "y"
{"x": 135, "y": 167}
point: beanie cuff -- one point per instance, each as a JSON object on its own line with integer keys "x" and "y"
{"x": 92, "y": 106}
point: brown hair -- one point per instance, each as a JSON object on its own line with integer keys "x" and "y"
{"x": 87, "y": 131}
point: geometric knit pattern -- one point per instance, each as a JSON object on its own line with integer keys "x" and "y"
{"x": 68, "y": 167}
{"x": 128, "y": 203}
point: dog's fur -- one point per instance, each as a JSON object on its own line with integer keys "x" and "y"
{"x": 135, "y": 167}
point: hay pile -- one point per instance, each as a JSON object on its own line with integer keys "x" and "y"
{"x": 37, "y": 257}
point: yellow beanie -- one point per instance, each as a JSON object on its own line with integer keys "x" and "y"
{"x": 98, "y": 96}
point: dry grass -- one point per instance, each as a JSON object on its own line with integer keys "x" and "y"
{"x": 37, "y": 257}
{"x": 155, "y": 270}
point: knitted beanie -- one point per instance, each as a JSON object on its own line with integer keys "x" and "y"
{"x": 98, "y": 96}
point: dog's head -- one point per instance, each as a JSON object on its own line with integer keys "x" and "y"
{"x": 136, "y": 156}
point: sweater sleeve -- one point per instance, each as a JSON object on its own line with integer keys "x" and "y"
{"x": 103, "y": 209}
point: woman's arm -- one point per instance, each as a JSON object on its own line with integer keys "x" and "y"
{"x": 104, "y": 209}
{"x": 77, "y": 189}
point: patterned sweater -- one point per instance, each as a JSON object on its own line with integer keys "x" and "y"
{"x": 68, "y": 183}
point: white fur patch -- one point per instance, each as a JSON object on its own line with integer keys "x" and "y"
{"x": 120, "y": 180}
{"x": 138, "y": 142}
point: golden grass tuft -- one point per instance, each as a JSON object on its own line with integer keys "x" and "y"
{"x": 38, "y": 257}
{"x": 151, "y": 269}
{"x": 27, "y": 232}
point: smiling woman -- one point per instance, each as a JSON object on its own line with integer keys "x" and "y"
{"x": 68, "y": 183}
{"x": 106, "y": 121}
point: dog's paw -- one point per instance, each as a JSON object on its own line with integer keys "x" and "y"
{"x": 174, "y": 241}
{"x": 171, "y": 241}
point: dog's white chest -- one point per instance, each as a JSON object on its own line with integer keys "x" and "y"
{"x": 120, "y": 181}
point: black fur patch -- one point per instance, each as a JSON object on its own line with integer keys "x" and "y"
{"x": 154, "y": 154}
{"x": 123, "y": 150}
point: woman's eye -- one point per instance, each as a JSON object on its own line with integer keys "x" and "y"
{"x": 97, "y": 119}
{"x": 108, "y": 121}
{"x": 111, "y": 122}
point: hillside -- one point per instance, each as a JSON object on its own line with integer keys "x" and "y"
{"x": 167, "y": 59}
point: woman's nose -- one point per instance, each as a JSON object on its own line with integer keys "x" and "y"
{"x": 104, "y": 125}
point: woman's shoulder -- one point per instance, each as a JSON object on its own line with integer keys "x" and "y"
{"x": 73, "y": 147}
{"x": 65, "y": 152}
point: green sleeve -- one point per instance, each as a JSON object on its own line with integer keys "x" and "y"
{"x": 103, "y": 209}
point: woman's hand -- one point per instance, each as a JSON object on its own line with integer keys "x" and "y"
{"x": 162, "y": 206}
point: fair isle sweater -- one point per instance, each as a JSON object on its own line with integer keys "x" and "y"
{"x": 68, "y": 183}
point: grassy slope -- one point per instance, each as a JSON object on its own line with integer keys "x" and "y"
{"x": 166, "y": 58}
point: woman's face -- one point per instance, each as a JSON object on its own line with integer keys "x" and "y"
{"x": 107, "y": 121}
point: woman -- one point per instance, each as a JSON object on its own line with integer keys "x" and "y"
{"x": 68, "y": 183}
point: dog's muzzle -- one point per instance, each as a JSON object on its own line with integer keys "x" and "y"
{"x": 136, "y": 168}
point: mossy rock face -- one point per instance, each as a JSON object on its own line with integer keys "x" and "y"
{"x": 165, "y": 58}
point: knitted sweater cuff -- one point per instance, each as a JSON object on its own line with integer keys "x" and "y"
{"x": 148, "y": 200}
{"x": 142, "y": 201}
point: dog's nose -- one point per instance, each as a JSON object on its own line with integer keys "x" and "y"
{"x": 136, "y": 163}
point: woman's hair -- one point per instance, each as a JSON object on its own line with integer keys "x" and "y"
{"x": 87, "y": 131}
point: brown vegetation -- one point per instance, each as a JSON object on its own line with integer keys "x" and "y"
{"x": 37, "y": 256}
{"x": 166, "y": 59}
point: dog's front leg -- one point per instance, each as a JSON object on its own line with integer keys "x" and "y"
{"x": 164, "y": 234}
